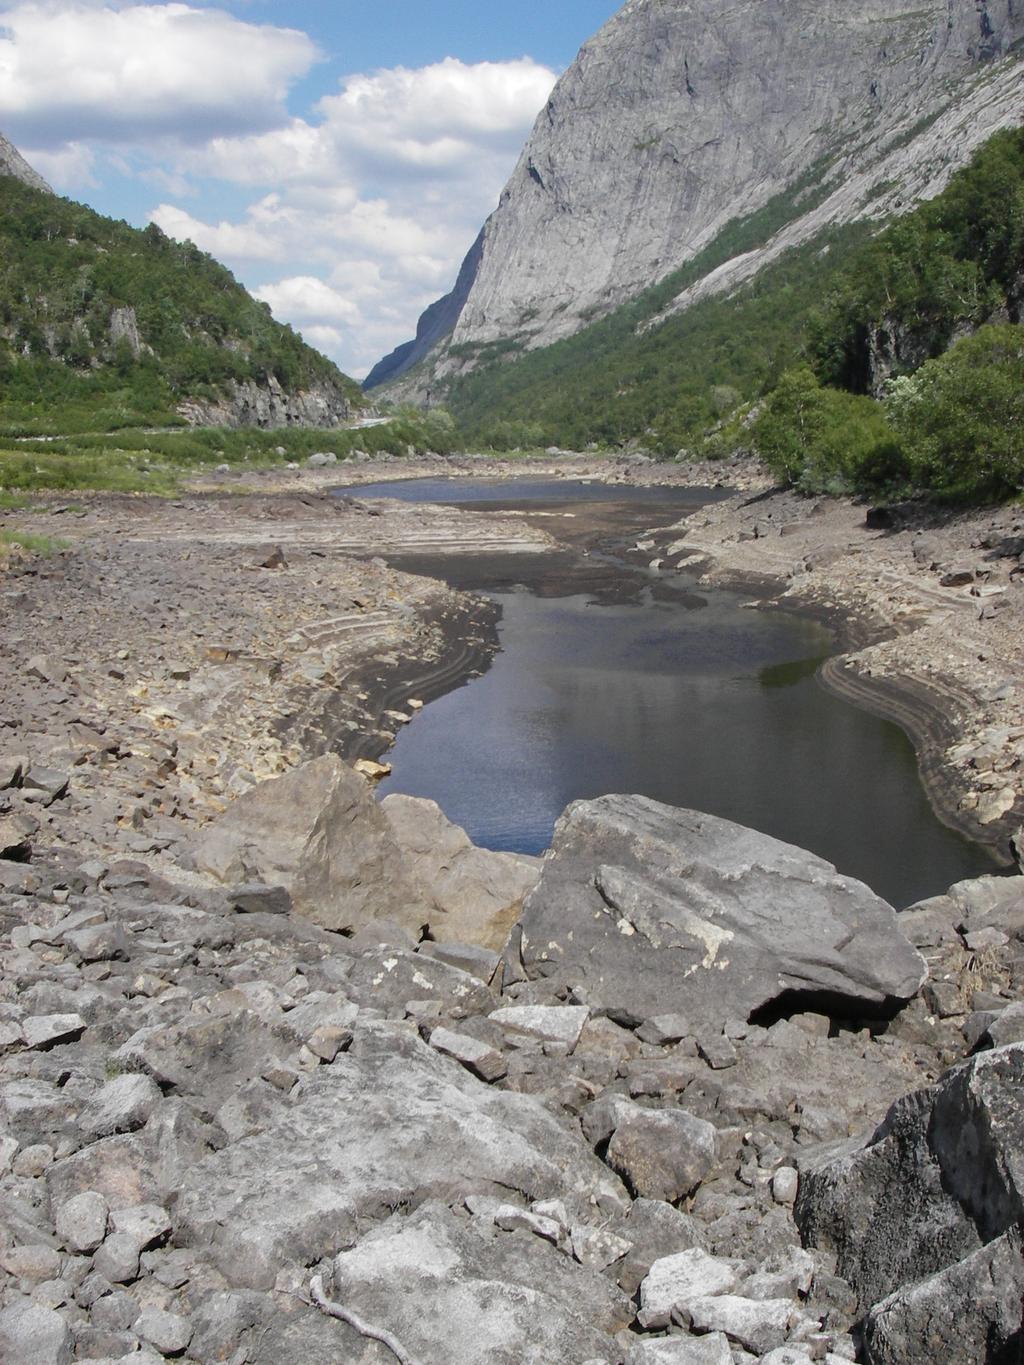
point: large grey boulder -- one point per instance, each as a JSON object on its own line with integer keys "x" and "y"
{"x": 317, "y": 832}
{"x": 477, "y": 895}
{"x": 453, "y": 1291}
{"x": 391, "y": 1123}
{"x": 942, "y": 1177}
{"x": 647, "y": 909}
{"x": 970, "y": 1313}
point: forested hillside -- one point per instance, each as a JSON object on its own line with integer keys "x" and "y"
{"x": 832, "y": 328}
{"x": 104, "y": 326}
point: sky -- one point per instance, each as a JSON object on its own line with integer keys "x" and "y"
{"x": 339, "y": 156}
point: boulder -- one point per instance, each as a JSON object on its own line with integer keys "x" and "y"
{"x": 710, "y": 1350}
{"x": 476, "y": 895}
{"x": 662, "y": 1154}
{"x": 33, "y": 1335}
{"x": 964, "y": 1315}
{"x": 318, "y": 833}
{"x": 674, "y": 1280}
{"x": 650, "y": 910}
{"x": 942, "y": 1176}
{"x": 391, "y": 1122}
{"x": 448, "y": 1291}
{"x": 82, "y": 1222}
{"x": 122, "y": 1105}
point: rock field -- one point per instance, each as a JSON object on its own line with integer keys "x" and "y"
{"x": 291, "y": 1077}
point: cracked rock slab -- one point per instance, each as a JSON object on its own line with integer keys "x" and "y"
{"x": 389, "y": 1124}
{"x": 652, "y": 910}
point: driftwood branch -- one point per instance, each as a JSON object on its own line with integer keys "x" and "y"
{"x": 365, "y": 1329}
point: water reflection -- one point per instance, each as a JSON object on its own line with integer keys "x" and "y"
{"x": 608, "y": 681}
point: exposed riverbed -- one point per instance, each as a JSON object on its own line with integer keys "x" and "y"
{"x": 612, "y": 679}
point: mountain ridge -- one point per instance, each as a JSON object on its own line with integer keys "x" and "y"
{"x": 677, "y": 119}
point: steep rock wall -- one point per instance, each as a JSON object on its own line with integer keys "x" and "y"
{"x": 680, "y": 116}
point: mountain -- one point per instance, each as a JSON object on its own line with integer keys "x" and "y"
{"x": 103, "y": 325}
{"x": 13, "y": 164}
{"x": 682, "y": 118}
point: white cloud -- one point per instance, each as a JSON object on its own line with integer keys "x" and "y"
{"x": 352, "y": 218}
{"x": 382, "y": 196}
{"x": 129, "y": 73}
{"x": 305, "y": 298}
{"x": 70, "y": 167}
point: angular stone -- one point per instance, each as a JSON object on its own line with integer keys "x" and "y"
{"x": 597, "y": 1246}
{"x": 486, "y": 1062}
{"x": 662, "y": 1154}
{"x": 257, "y": 899}
{"x": 549, "y": 1023}
{"x": 35, "y": 1263}
{"x": 450, "y": 1294}
{"x": 477, "y": 895}
{"x": 33, "y": 1335}
{"x": 717, "y": 1051}
{"x": 709, "y": 1350}
{"x": 318, "y": 833}
{"x": 785, "y": 1183}
{"x": 511, "y": 1218}
{"x": 170, "y": 1333}
{"x": 674, "y": 1280}
{"x": 122, "y": 1105}
{"x": 82, "y": 1222}
{"x": 16, "y": 831}
{"x": 145, "y": 1224}
{"x": 100, "y": 943}
{"x": 664, "y": 1028}
{"x": 689, "y": 913}
{"x": 48, "y": 1030}
{"x": 117, "y": 1260}
{"x": 199, "y": 1055}
{"x": 761, "y": 1325}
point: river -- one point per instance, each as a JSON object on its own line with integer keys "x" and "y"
{"x": 613, "y": 679}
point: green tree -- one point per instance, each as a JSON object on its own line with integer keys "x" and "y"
{"x": 961, "y": 417}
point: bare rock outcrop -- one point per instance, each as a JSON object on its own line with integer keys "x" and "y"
{"x": 645, "y": 909}
{"x": 269, "y": 405}
{"x": 12, "y": 163}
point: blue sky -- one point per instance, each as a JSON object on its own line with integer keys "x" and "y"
{"x": 338, "y": 155}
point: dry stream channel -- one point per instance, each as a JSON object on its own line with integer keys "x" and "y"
{"x": 613, "y": 677}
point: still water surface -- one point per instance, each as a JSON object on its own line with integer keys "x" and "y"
{"x": 641, "y": 683}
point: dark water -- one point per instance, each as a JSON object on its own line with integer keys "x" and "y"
{"x": 639, "y": 683}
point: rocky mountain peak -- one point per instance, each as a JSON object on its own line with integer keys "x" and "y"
{"x": 681, "y": 116}
{"x": 14, "y": 164}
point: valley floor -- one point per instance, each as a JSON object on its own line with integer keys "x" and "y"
{"x": 207, "y": 1101}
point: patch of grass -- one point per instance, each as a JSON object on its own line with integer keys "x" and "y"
{"x": 45, "y": 546}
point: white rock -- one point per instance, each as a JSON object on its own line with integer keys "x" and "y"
{"x": 549, "y": 1023}
{"x": 673, "y": 1281}
{"x": 784, "y": 1185}
{"x": 144, "y": 1224}
{"x": 709, "y": 1350}
{"x": 761, "y": 1325}
{"x": 486, "y": 1062}
{"x": 120, "y": 1106}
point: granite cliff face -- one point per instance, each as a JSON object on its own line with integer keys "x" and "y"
{"x": 679, "y": 117}
{"x": 14, "y": 164}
